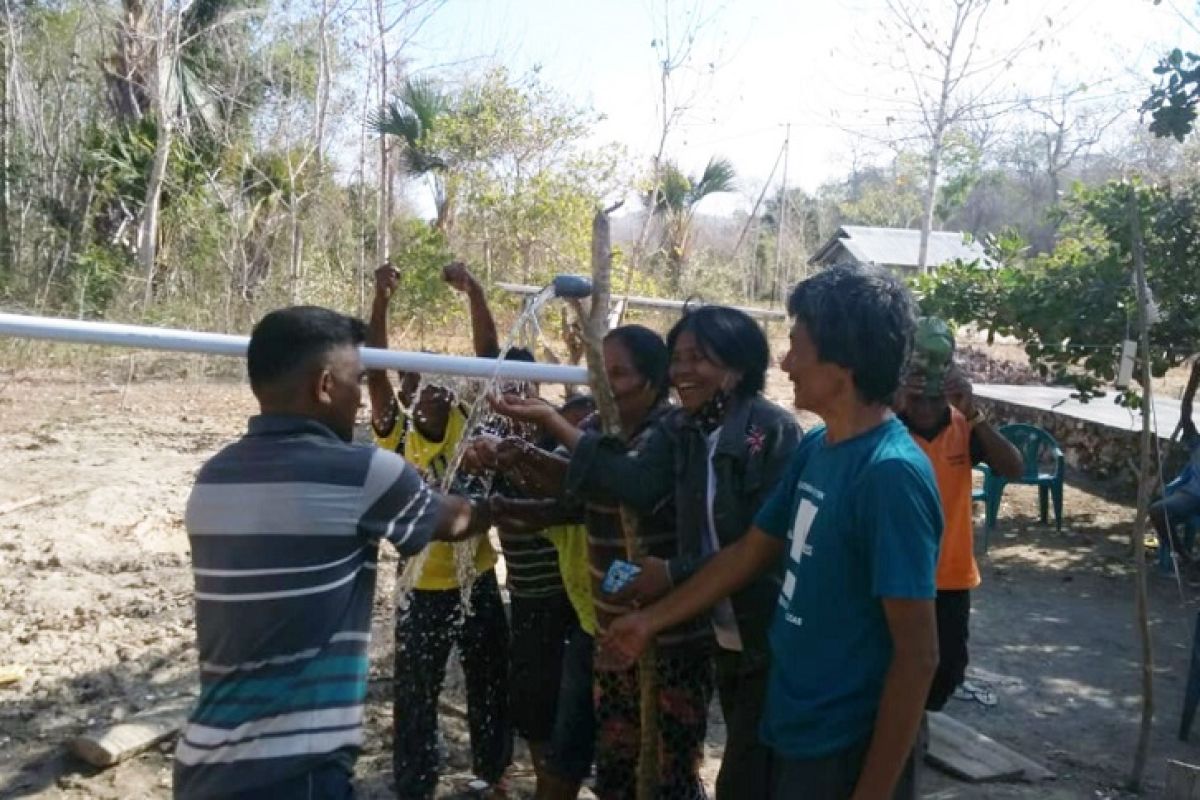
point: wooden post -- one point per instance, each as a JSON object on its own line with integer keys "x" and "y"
{"x": 595, "y": 326}
{"x": 778, "y": 283}
{"x": 1143, "y": 500}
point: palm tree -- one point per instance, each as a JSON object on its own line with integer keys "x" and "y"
{"x": 415, "y": 120}
{"x": 674, "y": 203}
{"x": 164, "y": 71}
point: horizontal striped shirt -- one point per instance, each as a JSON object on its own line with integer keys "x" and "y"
{"x": 656, "y": 536}
{"x": 284, "y": 527}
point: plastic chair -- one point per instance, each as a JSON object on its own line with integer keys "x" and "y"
{"x": 1189, "y": 526}
{"x": 1044, "y": 468}
{"x": 979, "y": 495}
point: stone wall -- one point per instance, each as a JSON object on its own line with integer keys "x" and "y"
{"x": 1098, "y": 456}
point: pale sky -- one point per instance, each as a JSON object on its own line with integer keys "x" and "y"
{"x": 827, "y": 67}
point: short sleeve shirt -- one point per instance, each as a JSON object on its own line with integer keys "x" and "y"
{"x": 432, "y": 459}
{"x": 284, "y": 527}
{"x": 950, "y": 454}
{"x": 862, "y": 521}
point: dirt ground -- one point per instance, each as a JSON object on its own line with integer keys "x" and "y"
{"x": 95, "y": 602}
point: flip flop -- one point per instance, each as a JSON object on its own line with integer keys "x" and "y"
{"x": 976, "y": 693}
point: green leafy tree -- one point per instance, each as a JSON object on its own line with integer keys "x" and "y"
{"x": 527, "y": 181}
{"x": 419, "y": 254}
{"x": 1073, "y": 307}
{"x": 1172, "y": 104}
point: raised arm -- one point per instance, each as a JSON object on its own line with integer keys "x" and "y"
{"x": 987, "y": 444}
{"x": 379, "y": 386}
{"x": 483, "y": 325}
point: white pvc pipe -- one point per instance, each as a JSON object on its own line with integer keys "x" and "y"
{"x": 223, "y": 344}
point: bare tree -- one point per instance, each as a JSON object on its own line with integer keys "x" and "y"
{"x": 951, "y": 77}
{"x": 679, "y": 33}
{"x": 161, "y": 94}
{"x": 1069, "y": 128}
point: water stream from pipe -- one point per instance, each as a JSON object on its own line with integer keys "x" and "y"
{"x": 480, "y": 419}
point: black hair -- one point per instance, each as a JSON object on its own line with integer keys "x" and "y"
{"x": 289, "y": 339}
{"x": 519, "y": 354}
{"x": 731, "y": 338}
{"x": 578, "y": 402}
{"x": 860, "y": 318}
{"x": 648, "y": 353}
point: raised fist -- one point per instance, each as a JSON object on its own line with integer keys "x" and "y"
{"x": 458, "y": 276}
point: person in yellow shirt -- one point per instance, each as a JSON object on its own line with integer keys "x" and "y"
{"x": 425, "y": 424}
{"x": 943, "y": 420}
{"x": 571, "y": 746}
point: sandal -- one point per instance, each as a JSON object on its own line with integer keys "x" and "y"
{"x": 976, "y": 693}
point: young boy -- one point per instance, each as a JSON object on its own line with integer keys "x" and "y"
{"x": 425, "y": 427}
{"x": 941, "y": 416}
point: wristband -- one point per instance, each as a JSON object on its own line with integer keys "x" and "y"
{"x": 977, "y": 418}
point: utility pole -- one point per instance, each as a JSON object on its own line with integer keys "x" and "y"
{"x": 777, "y": 294}
{"x": 752, "y": 272}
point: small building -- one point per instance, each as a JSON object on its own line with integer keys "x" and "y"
{"x": 895, "y": 248}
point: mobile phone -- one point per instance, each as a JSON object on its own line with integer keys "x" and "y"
{"x": 620, "y": 574}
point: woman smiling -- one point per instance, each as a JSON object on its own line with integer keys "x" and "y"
{"x": 717, "y": 456}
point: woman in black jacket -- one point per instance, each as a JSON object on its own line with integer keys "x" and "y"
{"x": 717, "y": 456}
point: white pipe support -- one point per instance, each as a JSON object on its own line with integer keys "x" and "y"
{"x": 222, "y": 344}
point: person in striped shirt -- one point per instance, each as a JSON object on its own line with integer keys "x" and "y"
{"x": 284, "y": 526}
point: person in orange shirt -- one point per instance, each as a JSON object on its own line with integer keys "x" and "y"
{"x": 955, "y": 434}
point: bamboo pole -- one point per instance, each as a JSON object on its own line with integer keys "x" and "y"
{"x": 1143, "y": 502}
{"x": 595, "y": 326}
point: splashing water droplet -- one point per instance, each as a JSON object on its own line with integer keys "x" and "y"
{"x": 480, "y": 419}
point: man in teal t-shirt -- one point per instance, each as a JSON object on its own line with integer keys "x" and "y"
{"x": 857, "y": 520}
{"x": 861, "y": 520}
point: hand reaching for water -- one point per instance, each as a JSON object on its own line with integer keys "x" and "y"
{"x": 522, "y": 409}
{"x": 479, "y": 454}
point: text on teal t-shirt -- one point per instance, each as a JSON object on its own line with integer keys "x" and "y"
{"x": 863, "y": 521}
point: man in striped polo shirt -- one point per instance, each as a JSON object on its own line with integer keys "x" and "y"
{"x": 284, "y": 526}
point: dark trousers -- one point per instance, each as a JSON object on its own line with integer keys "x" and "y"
{"x": 329, "y": 781}
{"x": 426, "y": 628}
{"x": 742, "y": 690}
{"x": 834, "y": 777}
{"x": 573, "y": 741}
{"x": 953, "y": 627}
{"x": 539, "y": 633}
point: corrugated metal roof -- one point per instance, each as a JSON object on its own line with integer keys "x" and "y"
{"x": 898, "y": 246}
